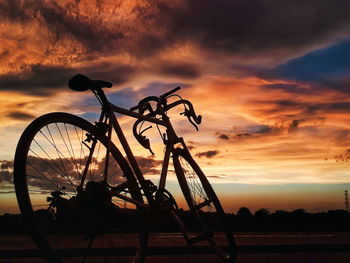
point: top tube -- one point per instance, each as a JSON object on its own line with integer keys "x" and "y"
{"x": 135, "y": 114}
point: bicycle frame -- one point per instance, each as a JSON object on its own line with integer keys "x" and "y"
{"x": 110, "y": 109}
{"x": 205, "y": 210}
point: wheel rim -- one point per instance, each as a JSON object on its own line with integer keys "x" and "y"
{"x": 207, "y": 213}
{"x": 56, "y": 156}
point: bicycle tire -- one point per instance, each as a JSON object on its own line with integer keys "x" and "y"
{"x": 207, "y": 214}
{"x": 42, "y": 130}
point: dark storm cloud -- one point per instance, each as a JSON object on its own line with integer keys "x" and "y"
{"x": 279, "y": 106}
{"x": 207, "y": 154}
{"x": 242, "y": 27}
{"x": 36, "y": 79}
{"x": 4, "y": 165}
{"x": 184, "y": 70}
{"x": 6, "y": 173}
{"x": 289, "y": 88}
{"x": 62, "y": 21}
{"x": 117, "y": 74}
{"x": 43, "y": 80}
{"x": 295, "y": 124}
{"x": 283, "y": 124}
{"x": 335, "y": 107}
{"x": 260, "y": 129}
{"x": 17, "y": 11}
{"x": 6, "y": 176}
{"x": 17, "y": 115}
{"x": 240, "y": 135}
{"x": 249, "y": 27}
{"x": 246, "y": 27}
{"x": 223, "y": 136}
{"x": 251, "y": 131}
{"x": 92, "y": 33}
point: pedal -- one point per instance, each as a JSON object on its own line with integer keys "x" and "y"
{"x": 204, "y": 236}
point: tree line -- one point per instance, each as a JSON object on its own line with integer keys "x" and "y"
{"x": 244, "y": 220}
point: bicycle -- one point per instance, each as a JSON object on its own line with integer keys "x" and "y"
{"x": 72, "y": 182}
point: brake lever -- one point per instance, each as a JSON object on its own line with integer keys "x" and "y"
{"x": 144, "y": 141}
{"x": 190, "y": 120}
{"x": 188, "y": 114}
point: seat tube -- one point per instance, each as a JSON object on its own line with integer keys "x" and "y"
{"x": 165, "y": 166}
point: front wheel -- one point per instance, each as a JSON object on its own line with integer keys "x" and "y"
{"x": 206, "y": 219}
{"x": 69, "y": 200}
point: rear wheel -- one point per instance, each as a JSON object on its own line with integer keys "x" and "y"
{"x": 66, "y": 195}
{"x": 206, "y": 220}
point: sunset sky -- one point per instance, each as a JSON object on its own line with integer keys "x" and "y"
{"x": 271, "y": 79}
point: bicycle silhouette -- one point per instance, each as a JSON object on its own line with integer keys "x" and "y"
{"x": 71, "y": 180}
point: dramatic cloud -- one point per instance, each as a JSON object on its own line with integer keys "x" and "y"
{"x": 4, "y": 165}
{"x": 6, "y": 174}
{"x": 235, "y": 26}
{"x": 20, "y": 115}
{"x": 289, "y": 88}
{"x": 47, "y": 80}
{"x": 258, "y": 27}
{"x": 223, "y": 136}
{"x": 68, "y": 36}
{"x": 62, "y": 21}
{"x": 184, "y": 70}
{"x": 148, "y": 165}
{"x": 208, "y": 154}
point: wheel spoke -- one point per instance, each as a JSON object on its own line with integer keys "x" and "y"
{"x": 71, "y": 147}
{"x": 53, "y": 143}
{"x": 49, "y": 157}
{"x": 66, "y": 177}
{"x": 64, "y": 141}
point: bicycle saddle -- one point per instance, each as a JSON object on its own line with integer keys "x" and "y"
{"x": 81, "y": 83}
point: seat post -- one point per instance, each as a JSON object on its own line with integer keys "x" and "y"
{"x": 101, "y": 96}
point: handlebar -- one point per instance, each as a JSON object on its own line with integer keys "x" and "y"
{"x": 162, "y": 98}
{"x": 144, "y": 104}
{"x": 166, "y": 94}
{"x": 162, "y": 108}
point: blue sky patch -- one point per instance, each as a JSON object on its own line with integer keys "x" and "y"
{"x": 328, "y": 67}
